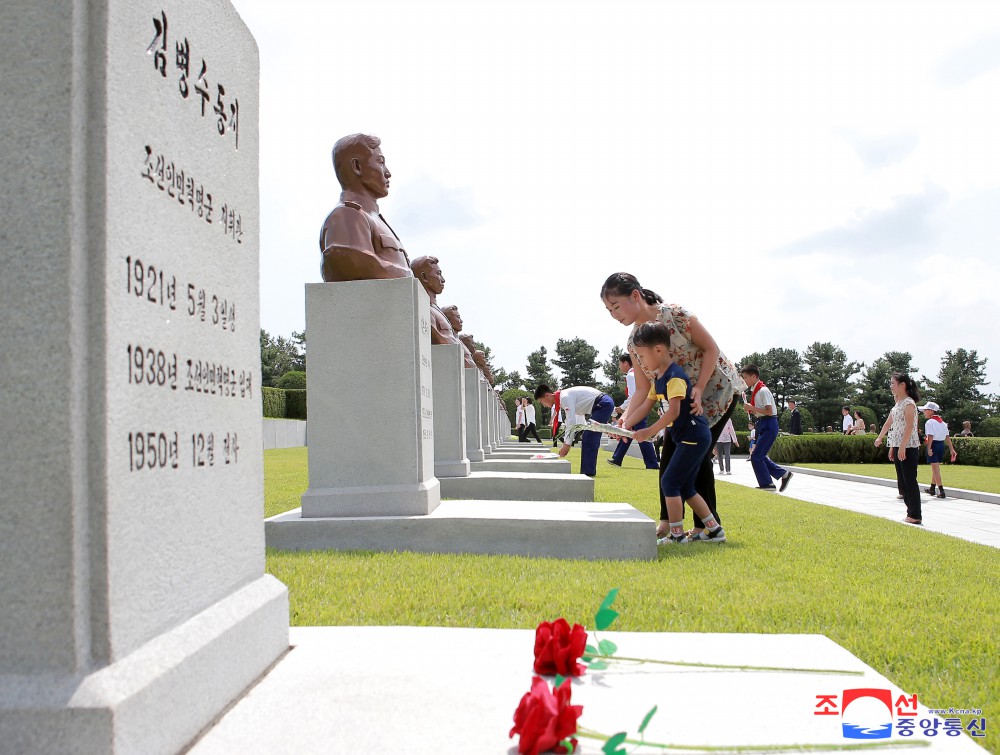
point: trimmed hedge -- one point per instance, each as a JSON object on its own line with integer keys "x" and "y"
{"x": 979, "y": 452}
{"x": 988, "y": 428}
{"x": 831, "y": 448}
{"x": 828, "y": 448}
{"x": 295, "y": 404}
{"x": 274, "y": 402}
{"x": 282, "y": 404}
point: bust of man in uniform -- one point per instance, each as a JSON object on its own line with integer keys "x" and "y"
{"x": 478, "y": 356}
{"x": 455, "y": 320}
{"x": 428, "y": 272}
{"x": 356, "y": 242}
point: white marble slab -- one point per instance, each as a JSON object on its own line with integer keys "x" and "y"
{"x": 454, "y": 691}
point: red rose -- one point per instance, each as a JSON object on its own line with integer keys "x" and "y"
{"x": 558, "y": 648}
{"x": 544, "y": 719}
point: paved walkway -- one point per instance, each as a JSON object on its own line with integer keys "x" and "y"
{"x": 976, "y": 521}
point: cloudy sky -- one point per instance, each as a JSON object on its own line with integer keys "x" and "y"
{"x": 790, "y": 171}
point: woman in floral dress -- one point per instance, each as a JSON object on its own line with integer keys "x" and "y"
{"x": 904, "y": 443}
{"x": 693, "y": 348}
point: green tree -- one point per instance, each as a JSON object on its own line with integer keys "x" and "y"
{"x": 957, "y": 387}
{"x": 577, "y": 359}
{"x": 873, "y": 387}
{"x": 781, "y": 370}
{"x": 277, "y": 356}
{"x": 291, "y": 380}
{"x": 538, "y": 369}
{"x": 827, "y": 380}
{"x": 512, "y": 381}
{"x": 299, "y": 340}
{"x": 615, "y": 385}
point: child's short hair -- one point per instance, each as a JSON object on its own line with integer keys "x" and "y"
{"x": 750, "y": 369}
{"x": 651, "y": 334}
{"x": 625, "y": 357}
{"x": 541, "y": 390}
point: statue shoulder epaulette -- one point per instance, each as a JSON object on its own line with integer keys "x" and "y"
{"x": 352, "y": 205}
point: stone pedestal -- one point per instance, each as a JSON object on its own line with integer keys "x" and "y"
{"x": 135, "y": 607}
{"x": 520, "y": 486}
{"x": 449, "y": 411}
{"x": 371, "y": 416}
{"x": 551, "y": 529}
{"x": 473, "y": 415}
{"x": 486, "y": 416}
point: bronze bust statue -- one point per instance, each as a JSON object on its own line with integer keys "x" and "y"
{"x": 478, "y": 356}
{"x": 428, "y": 272}
{"x": 455, "y": 320}
{"x": 356, "y": 242}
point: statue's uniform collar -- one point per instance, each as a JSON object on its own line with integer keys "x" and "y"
{"x": 357, "y": 198}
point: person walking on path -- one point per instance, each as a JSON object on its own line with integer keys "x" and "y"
{"x": 529, "y": 420}
{"x": 904, "y": 443}
{"x": 577, "y": 402}
{"x": 936, "y": 435}
{"x": 848, "y": 423}
{"x": 762, "y": 406}
{"x": 727, "y": 439}
{"x": 646, "y": 447}
{"x": 715, "y": 381}
{"x": 519, "y": 422}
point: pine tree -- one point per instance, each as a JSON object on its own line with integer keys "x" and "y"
{"x": 957, "y": 387}
{"x": 577, "y": 359}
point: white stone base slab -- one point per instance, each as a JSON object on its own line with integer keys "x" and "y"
{"x": 550, "y": 529}
{"x": 521, "y": 455}
{"x": 158, "y": 698}
{"x": 452, "y": 468}
{"x": 373, "y": 500}
{"x": 519, "y": 486}
{"x": 534, "y": 466}
{"x": 346, "y": 689}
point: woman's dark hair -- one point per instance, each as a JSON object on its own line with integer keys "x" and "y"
{"x": 911, "y": 387}
{"x": 623, "y": 284}
{"x": 651, "y": 334}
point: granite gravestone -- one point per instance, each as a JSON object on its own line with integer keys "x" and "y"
{"x": 136, "y": 607}
{"x": 450, "y": 459}
{"x": 371, "y": 428}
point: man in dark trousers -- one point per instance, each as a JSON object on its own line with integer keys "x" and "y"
{"x": 795, "y": 421}
{"x": 649, "y": 456}
{"x": 578, "y": 401}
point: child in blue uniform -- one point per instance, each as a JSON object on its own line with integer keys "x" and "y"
{"x": 690, "y": 434}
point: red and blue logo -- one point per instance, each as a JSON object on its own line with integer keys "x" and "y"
{"x": 866, "y": 713}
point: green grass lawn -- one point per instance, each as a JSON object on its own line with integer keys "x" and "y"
{"x": 917, "y": 606}
{"x": 986, "y": 479}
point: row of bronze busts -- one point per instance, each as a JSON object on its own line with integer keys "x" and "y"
{"x": 358, "y": 244}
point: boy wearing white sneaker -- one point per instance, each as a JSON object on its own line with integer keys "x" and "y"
{"x": 689, "y": 432}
